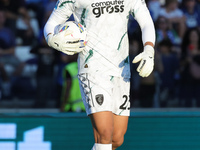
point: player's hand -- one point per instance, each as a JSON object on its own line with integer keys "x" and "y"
{"x": 146, "y": 59}
{"x": 63, "y": 43}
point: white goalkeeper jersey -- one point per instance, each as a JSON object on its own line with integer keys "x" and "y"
{"x": 106, "y": 22}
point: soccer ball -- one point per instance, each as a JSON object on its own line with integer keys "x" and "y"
{"x": 78, "y": 30}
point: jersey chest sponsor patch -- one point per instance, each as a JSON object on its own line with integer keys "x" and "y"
{"x": 107, "y": 7}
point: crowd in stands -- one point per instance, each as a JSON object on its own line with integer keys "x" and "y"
{"x": 38, "y": 73}
{"x": 175, "y": 81}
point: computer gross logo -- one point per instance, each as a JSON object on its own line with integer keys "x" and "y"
{"x": 110, "y": 7}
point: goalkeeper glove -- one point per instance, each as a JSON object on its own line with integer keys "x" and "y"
{"x": 146, "y": 59}
{"x": 63, "y": 42}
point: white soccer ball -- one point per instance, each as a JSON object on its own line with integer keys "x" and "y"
{"x": 79, "y": 31}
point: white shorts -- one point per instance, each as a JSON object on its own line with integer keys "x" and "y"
{"x": 105, "y": 93}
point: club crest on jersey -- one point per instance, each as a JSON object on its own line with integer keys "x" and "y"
{"x": 100, "y": 8}
{"x": 99, "y": 98}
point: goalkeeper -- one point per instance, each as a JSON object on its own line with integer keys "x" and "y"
{"x": 104, "y": 73}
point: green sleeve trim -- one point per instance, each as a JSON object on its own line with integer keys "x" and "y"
{"x": 89, "y": 56}
{"x": 66, "y": 2}
{"x": 121, "y": 41}
{"x": 83, "y": 15}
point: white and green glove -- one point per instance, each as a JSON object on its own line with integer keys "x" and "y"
{"x": 146, "y": 59}
{"x": 63, "y": 42}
